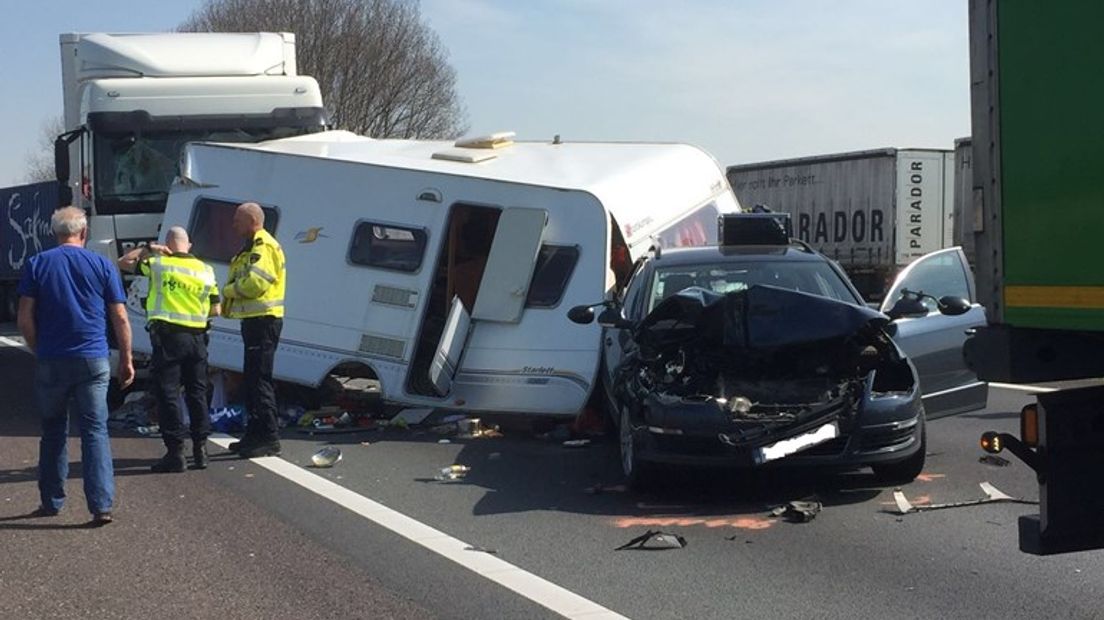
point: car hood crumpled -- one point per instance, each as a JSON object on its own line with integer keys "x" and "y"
{"x": 759, "y": 317}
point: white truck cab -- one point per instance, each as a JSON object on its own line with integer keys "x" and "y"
{"x": 131, "y": 101}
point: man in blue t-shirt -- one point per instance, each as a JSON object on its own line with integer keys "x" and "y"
{"x": 67, "y": 296}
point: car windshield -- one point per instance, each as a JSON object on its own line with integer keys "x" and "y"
{"x": 817, "y": 278}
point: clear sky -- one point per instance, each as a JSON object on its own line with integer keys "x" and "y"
{"x": 748, "y": 80}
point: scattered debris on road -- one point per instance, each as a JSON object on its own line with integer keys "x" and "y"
{"x": 326, "y": 457}
{"x": 992, "y": 496}
{"x": 654, "y": 539}
{"x": 576, "y": 443}
{"x": 480, "y": 549}
{"x": 452, "y": 472}
{"x": 994, "y": 460}
{"x": 801, "y": 511}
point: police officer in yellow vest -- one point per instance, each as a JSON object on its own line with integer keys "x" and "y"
{"x": 183, "y": 296}
{"x": 255, "y": 294}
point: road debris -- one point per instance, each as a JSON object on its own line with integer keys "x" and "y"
{"x": 452, "y": 472}
{"x": 326, "y": 457}
{"x": 801, "y": 511}
{"x": 576, "y": 443}
{"x": 599, "y": 489}
{"x": 992, "y": 496}
{"x": 411, "y": 416}
{"x": 994, "y": 460}
{"x": 654, "y": 539}
{"x": 480, "y": 549}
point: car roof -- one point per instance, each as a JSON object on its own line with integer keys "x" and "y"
{"x": 738, "y": 253}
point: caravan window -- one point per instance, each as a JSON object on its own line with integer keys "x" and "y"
{"x": 555, "y": 263}
{"x": 387, "y": 247}
{"x": 697, "y": 228}
{"x": 212, "y": 231}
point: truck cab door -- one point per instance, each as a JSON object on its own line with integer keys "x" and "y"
{"x": 934, "y": 342}
{"x": 503, "y": 290}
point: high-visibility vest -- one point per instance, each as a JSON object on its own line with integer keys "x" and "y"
{"x": 180, "y": 289}
{"x": 257, "y": 280}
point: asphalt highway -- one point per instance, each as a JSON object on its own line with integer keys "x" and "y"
{"x": 530, "y": 532}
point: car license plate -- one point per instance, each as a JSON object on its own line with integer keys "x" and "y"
{"x": 796, "y": 444}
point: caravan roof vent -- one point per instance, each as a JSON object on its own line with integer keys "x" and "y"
{"x": 464, "y": 156}
{"x": 490, "y": 141}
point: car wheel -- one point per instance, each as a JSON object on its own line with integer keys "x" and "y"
{"x": 907, "y": 470}
{"x": 639, "y": 475}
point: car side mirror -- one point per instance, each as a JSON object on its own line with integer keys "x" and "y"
{"x": 953, "y": 306}
{"x": 611, "y": 317}
{"x": 583, "y": 315}
{"x": 907, "y": 306}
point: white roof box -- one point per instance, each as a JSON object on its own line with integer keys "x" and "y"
{"x": 180, "y": 54}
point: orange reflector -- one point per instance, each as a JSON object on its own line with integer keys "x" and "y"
{"x": 1029, "y": 425}
{"x": 991, "y": 442}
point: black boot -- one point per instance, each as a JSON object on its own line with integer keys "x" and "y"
{"x": 199, "y": 454}
{"x": 270, "y": 447}
{"x": 172, "y": 462}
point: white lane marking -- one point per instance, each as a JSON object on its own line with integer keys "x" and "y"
{"x": 8, "y": 342}
{"x": 1038, "y": 389}
{"x": 537, "y": 589}
{"x": 955, "y": 389}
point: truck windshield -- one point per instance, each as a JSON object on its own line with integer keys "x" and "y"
{"x": 134, "y": 170}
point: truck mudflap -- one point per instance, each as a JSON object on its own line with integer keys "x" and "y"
{"x": 1062, "y": 440}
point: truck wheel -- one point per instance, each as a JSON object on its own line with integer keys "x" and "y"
{"x": 639, "y": 475}
{"x": 907, "y": 470}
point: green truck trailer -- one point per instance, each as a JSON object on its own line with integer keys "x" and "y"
{"x": 1038, "y": 212}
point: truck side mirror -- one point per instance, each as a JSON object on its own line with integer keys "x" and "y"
{"x": 61, "y": 159}
{"x": 907, "y": 306}
{"x": 953, "y": 306}
{"x": 583, "y": 315}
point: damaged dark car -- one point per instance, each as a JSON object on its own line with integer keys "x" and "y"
{"x": 754, "y": 356}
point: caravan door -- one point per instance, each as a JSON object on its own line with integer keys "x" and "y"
{"x": 502, "y": 290}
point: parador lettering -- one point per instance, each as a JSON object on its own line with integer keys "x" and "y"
{"x": 915, "y": 205}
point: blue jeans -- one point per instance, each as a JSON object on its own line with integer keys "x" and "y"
{"x": 79, "y": 385}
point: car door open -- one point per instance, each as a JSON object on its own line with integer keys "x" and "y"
{"x": 934, "y": 342}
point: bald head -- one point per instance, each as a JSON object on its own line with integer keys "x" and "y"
{"x": 248, "y": 219}
{"x": 177, "y": 240}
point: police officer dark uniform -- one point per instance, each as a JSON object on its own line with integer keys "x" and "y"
{"x": 255, "y": 294}
{"x": 182, "y": 294}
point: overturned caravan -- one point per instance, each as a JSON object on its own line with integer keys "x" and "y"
{"x": 767, "y": 373}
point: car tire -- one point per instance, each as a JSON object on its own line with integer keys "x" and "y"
{"x": 905, "y": 471}
{"x": 639, "y": 475}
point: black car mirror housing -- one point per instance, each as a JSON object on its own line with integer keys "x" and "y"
{"x": 611, "y": 317}
{"x": 907, "y": 306}
{"x": 583, "y": 315}
{"x": 953, "y": 306}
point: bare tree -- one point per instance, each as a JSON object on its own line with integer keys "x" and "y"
{"x": 40, "y": 164}
{"x": 383, "y": 72}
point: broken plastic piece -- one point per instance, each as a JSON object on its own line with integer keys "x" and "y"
{"x": 798, "y": 511}
{"x": 576, "y": 443}
{"x": 412, "y": 415}
{"x": 452, "y": 472}
{"x": 994, "y": 460}
{"x": 326, "y": 457}
{"x": 992, "y": 495}
{"x": 481, "y": 549}
{"x": 654, "y": 539}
